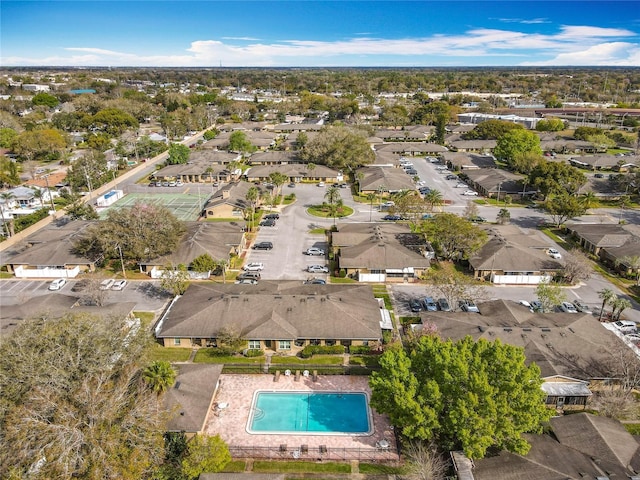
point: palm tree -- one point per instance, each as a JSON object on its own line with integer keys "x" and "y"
{"x": 607, "y": 296}
{"x": 252, "y": 197}
{"x": 371, "y": 197}
{"x": 160, "y": 376}
{"x": 434, "y": 198}
{"x": 618, "y": 306}
{"x": 278, "y": 179}
{"x": 504, "y": 216}
{"x": 5, "y": 196}
{"x": 589, "y": 200}
{"x": 332, "y": 196}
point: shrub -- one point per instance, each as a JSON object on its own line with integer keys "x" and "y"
{"x": 343, "y": 273}
{"x": 311, "y": 350}
{"x": 360, "y": 349}
{"x": 253, "y": 352}
{"x": 222, "y": 351}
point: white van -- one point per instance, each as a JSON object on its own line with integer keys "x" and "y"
{"x": 625, "y": 326}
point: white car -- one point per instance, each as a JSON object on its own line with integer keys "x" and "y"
{"x": 57, "y": 284}
{"x": 253, "y": 267}
{"x": 313, "y": 251}
{"x": 461, "y": 185}
{"x": 321, "y": 184}
{"x": 553, "y": 253}
{"x": 119, "y": 285}
{"x": 317, "y": 269}
{"x": 107, "y": 284}
{"x": 470, "y": 193}
{"x": 568, "y": 307}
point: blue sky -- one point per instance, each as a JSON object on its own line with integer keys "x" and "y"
{"x": 319, "y": 33}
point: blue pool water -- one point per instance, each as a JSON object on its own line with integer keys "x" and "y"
{"x": 318, "y": 413}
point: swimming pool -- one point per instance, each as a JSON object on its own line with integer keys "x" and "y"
{"x": 304, "y": 413}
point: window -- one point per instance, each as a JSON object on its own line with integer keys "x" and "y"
{"x": 254, "y": 345}
{"x": 284, "y": 344}
{"x": 176, "y": 341}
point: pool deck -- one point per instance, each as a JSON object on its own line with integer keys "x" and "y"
{"x": 235, "y": 393}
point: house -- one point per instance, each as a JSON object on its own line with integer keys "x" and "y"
{"x": 190, "y": 400}
{"x": 496, "y": 183}
{"x": 411, "y": 148}
{"x": 611, "y": 242}
{"x": 281, "y": 317}
{"x": 296, "y": 172}
{"x": 514, "y": 256}
{"x": 475, "y": 118}
{"x": 220, "y": 240}
{"x": 566, "y": 392}
{"x": 381, "y": 252}
{"x": 467, "y": 161}
{"x": 581, "y": 446}
{"x": 56, "y": 306}
{"x": 567, "y": 344}
{"x": 229, "y": 202}
{"x": 274, "y": 157}
{"x": 473, "y": 146}
{"x": 605, "y": 162}
{"x": 48, "y": 253}
{"x": 383, "y": 180}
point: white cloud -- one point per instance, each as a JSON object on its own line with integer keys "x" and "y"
{"x": 571, "y": 45}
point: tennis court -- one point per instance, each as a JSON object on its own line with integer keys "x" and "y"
{"x": 184, "y": 206}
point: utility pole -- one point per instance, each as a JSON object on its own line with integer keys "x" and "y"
{"x": 53, "y": 208}
{"x": 124, "y": 274}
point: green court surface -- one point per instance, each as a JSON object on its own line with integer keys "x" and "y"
{"x": 185, "y": 207}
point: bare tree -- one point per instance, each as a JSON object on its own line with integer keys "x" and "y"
{"x": 577, "y": 267}
{"x": 471, "y": 210}
{"x": 617, "y": 400}
{"x": 93, "y": 294}
{"x": 424, "y": 462}
{"x": 455, "y": 286}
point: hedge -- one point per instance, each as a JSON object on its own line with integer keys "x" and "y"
{"x": 311, "y": 350}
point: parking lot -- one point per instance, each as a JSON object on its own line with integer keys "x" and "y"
{"x": 147, "y": 294}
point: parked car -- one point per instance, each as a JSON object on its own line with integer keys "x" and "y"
{"x": 451, "y": 177}
{"x": 392, "y": 218}
{"x": 173, "y": 184}
{"x": 469, "y": 306}
{"x": 524, "y": 303}
{"x": 441, "y": 167}
{"x": 268, "y": 222}
{"x": 461, "y": 185}
{"x": 427, "y": 216}
{"x": 315, "y": 281}
{"x": 411, "y": 171}
{"x": 292, "y": 185}
{"x": 107, "y": 284}
{"x": 317, "y": 269}
{"x": 430, "y": 305}
{"x": 253, "y": 267}
{"x": 470, "y": 193}
{"x": 582, "y": 307}
{"x": 415, "y": 305}
{"x": 57, "y": 284}
{"x": 344, "y": 185}
{"x": 321, "y": 184}
{"x": 424, "y": 190}
{"x": 246, "y": 281}
{"x": 626, "y": 326}
{"x": 444, "y": 305}
{"x": 313, "y": 251}
{"x": 255, "y": 275}
{"x": 536, "y": 306}
{"x": 477, "y": 219}
{"x": 568, "y": 307}
{"x": 553, "y": 253}
{"x": 263, "y": 246}
{"x": 273, "y": 216}
{"x": 119, "y": 285}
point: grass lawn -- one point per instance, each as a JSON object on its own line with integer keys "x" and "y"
{"x": 235, "y": 466}
{"x": 318, "y": 231}
{"x": 170, "y": 354}
{"x": 364, "y": 360}
{"x": 342, "y": 280}
{"x": 379, "y": 469}
{"x": 315, "y": 360}
{"x": 324, "y": 211}
{"x": 300, "y": 467}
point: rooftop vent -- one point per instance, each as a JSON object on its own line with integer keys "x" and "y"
{"x": 507, "y": 329}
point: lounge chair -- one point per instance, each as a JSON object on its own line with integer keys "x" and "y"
{"x": 287, "y": 373}
{"x": 305, "y": 373}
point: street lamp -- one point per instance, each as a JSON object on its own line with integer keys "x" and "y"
{"x": 53, "y": 208}
{"x": 124, "y": 274}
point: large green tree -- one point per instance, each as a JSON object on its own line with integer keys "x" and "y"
{"x": 563, "y": 207}
{"x": 178, "y": 154}
{"x": 516, "y": 143}
{"x": 463, "y": 394}
{"x": 45, "y": 99}
{"x": 143, "y": 231}
{"x": 45, "y": 144}
{"x": 72, "y": 403}
{"x": 556, "y": 178}
{"x": 238, "y": 142}
{"x": 452, "y": 237}
{"x": 491, "y": 130}
{"x": 339, "y": 148}
{"x": 205, "y": 454}
{"x": 89, "y": 172}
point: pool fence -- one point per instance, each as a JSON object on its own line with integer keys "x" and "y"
{"x": 323, "y": 452}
